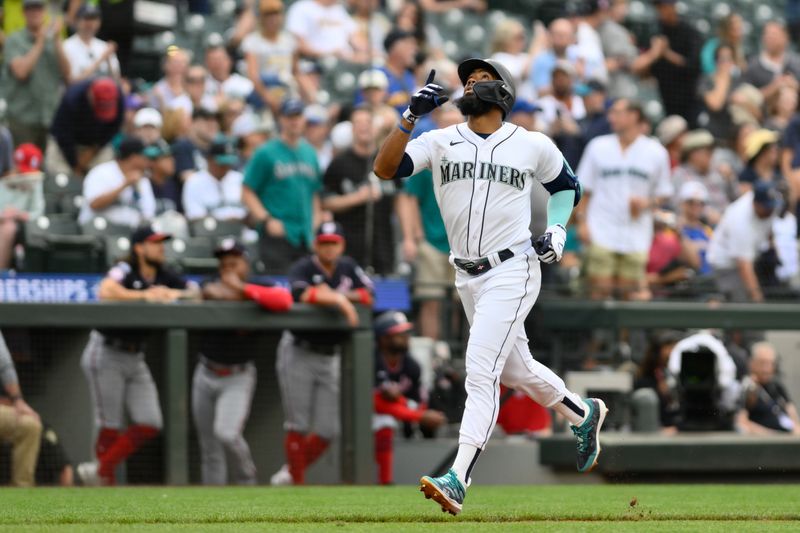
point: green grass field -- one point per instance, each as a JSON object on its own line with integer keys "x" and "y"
{"x": 729, "y": 508}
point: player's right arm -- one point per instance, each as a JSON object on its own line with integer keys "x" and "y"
{"x": 114, "y": 291}
{"x": 112, "y": 288}
{"x": 392, "y": 156}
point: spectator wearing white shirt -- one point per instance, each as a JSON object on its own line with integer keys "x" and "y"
{"x": 741, "y": 235}
{"x": 561, "y": 112}
{"x": 271, "y": 55}
{"x": 195, "y": 92}
{"x": 118, "y": 189}
{"x": 322, "y": 28}
{"x": 89, "y": 56}
{"x": 590, "y": 47}
{"x": 624, "y": 176}
{"x": 171, "y": 86}
{"x": 216, "y": 191}
{"x": 508, "y": 47}
{"x": 221, "y": 82}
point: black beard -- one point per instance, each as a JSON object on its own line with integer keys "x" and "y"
{"x": 471, "y": 105}
{"x": 153, "y": 262}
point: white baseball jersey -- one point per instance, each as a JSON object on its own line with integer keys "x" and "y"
{"x": 483, "y": 186}
{"x": 613, "y": 177}
{"x": 740, "y": 234}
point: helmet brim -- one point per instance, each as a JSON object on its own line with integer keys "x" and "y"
{"x": 469, "y": 66}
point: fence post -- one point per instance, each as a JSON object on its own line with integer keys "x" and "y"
{"x": 176, "y": 415}
{"x": 358, "y": 461}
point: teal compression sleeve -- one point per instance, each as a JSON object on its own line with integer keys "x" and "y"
{"x": 559, "y": 207}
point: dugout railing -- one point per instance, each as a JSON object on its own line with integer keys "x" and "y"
{"x": 177, "y": 322}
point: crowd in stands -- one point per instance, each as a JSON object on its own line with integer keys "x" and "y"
{"x": 244, "y": 130}
{"x": 686, "y": 142}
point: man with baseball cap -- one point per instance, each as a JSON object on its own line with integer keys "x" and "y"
{"x": 89, "y": 56}
{"x": 697, "y": 148}
{"x": 147, "y": 123}
{"x": 399, "y": 395}
{"x": 695, "y": 233}
{"x": 225, "y": 375}
{"x": 89, "y": 116}
{"x": 401, "y": 52}
{"x": 561, "y": 111}
{"x": 36, "y": 68}
{"x": 161, "y": 173}
{"x": 217, "y": 190}
{"x": 739, "y": 238}
{"x": 118, "y": 189}
{"x": 114, "y": 361}
{"x": 21, "y": 198}
{"x": 360, "y": 202}
{"x": 281, "y": 191}
{"x": 308, "y": 362}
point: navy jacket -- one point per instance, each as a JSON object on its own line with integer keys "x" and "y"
{"x": 75, "y": 124}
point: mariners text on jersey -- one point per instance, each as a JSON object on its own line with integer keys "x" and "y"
{"x": 483, "y": 186}
{"x": 465, "y": 170}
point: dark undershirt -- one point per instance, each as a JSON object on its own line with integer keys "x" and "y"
{"x": 407, "y": 165}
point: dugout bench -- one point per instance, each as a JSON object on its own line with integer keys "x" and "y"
{"x": 176, "y": 320}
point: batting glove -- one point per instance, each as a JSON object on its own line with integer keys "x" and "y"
{"x": 550, "y": 245}
{"x": 425, "y": 100}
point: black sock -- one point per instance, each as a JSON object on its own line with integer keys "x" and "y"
{"x": 572, "y": 407}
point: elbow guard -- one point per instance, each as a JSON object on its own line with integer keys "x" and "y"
{"x": 565, "y": 181}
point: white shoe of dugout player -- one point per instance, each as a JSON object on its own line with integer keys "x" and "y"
{"x": 87, "y": 473}
{"x": 281, "y": 478}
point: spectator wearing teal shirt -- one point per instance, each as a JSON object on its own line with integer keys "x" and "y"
{"x": 280, "y": 192}
{"x": 425, "y": 243}
{"x": 731, "y": 33}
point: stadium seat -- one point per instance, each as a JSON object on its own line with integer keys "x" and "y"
{"x": 101, "y": 227}
{"x": 60, "y": 191}
{"x": 191, "y": 256}
{"x": 117, "y": 248}
{"x": 53, "y": 243}
{"x": 211, "y": 228}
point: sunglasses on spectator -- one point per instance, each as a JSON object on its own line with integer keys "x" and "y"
{"x": 272, "y": 12}
{"x": 195, "y": 80}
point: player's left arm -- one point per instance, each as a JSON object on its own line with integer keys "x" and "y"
{"x": 565, "y": 193}
{"x": 363, "y": 289}
{"x": 182, "y": 289}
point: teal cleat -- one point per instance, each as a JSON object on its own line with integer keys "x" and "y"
{"x": 445, "y": 490}
{"x": 588, "y": 434}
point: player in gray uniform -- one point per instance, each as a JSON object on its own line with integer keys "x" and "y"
{"x": 225, "y": 375}
{"x": 308, "y": 362}
{"x": 113, "y": 360}
{"x": 483, "y": 171}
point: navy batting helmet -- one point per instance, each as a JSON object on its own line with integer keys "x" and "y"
{"x": 500, "y": 92}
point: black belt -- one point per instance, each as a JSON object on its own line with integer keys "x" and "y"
{"x": 123, "y": 345}
{"x": 325, "y": 349}
{"x": 475, "y": 267}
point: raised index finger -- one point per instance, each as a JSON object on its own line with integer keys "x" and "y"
{"x": 431, "y": 76}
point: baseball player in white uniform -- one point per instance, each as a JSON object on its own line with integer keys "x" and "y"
{"x": 624, "y": 176}
{"x": 483, "y": 171}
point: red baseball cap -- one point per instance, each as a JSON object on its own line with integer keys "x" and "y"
{"x": 105, "y": 99}
{"x": 28, "y": 158}
{"x": 330, "y": 232}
